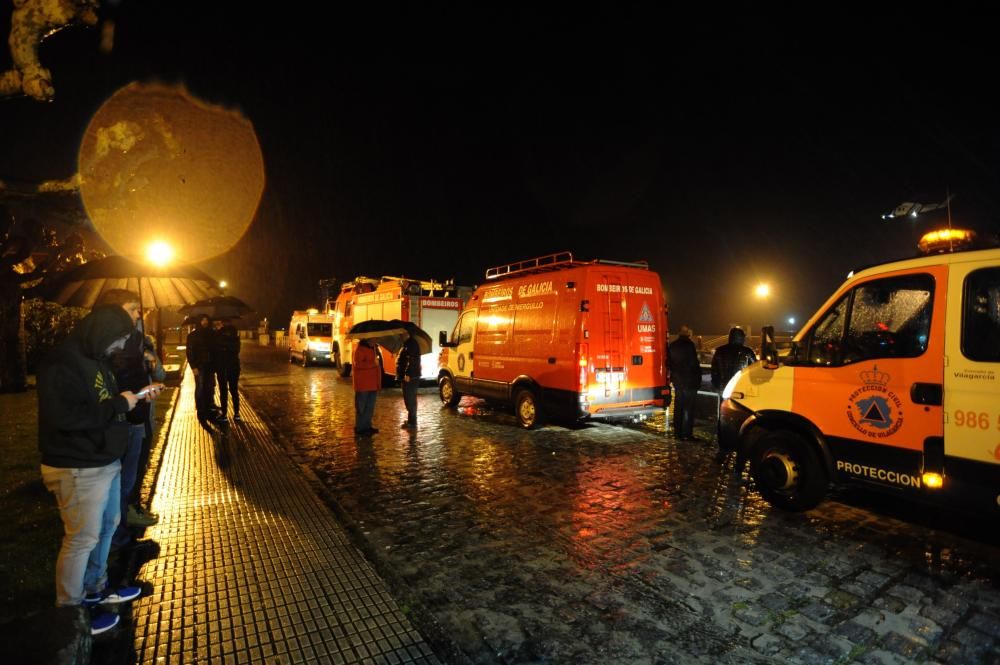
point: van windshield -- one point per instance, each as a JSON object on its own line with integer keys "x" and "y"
{"x": 320, "y": 329}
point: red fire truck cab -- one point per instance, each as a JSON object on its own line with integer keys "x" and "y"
{"x": 563, "y": 338}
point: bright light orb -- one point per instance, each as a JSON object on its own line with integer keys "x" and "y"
{"x": 762, "y": 290}
{"x": 156, "y": 162}
{"x": 223, "y": 284}
{"x": 159, "y": 253}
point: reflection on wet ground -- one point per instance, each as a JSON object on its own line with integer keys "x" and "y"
{"x": 603, "y": 544}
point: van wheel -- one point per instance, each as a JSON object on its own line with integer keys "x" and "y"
{"x": 526, "y": 409}
{"x": 788, "y": 472}
{"x": 305, "y": 359}
{"x": 449, "y": 395}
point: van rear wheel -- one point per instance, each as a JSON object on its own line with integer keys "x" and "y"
{"x": 788, "y": 471}
{"x": 449, "y": 395}
{"x": 526, "y": 409}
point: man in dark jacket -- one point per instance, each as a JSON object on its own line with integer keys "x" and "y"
{"x": 199, "y": 357}
{"x": 82, "y": 433}
{"x": 408, "y": 373}
{"x": 685, "y": 374}
{"x": 731, "y": 358}
{"x": 226, "y": 361}
{"x": 131, "y": 366}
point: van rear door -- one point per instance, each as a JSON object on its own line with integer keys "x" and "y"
{"x": 626, "y": 335}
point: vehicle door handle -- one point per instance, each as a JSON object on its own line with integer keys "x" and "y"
{"x": 926, "y": 393}
{"x": 470, "y": 354}
{"x": 552, "y": 361}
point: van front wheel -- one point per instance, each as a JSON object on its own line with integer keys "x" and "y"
{"x": 449, "y": 396}
{"x": 526, "y": 409}
{"x": 788, "y": 472}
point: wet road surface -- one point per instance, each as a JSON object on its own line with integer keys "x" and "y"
{"x": 618, "y": 544}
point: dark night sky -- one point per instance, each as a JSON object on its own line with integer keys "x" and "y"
{"x": 439, "y": 143}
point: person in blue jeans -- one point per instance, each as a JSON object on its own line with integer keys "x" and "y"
{"x": 82, "y": 433}
{"x": 132, "y": 366}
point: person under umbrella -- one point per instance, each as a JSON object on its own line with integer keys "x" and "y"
{"x": 408, "y": 373}
{"x": 367, "y": 379}
{"x": 226, "y": 364}
{"x": 199, "y": 357}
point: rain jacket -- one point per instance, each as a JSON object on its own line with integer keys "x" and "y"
{"x": 131, "y": 373}
{"x": 365, "y": 370}
{"x": 199, "y": 348}
{"x": 226, "y": 348}
{"x": 729, "y": 359}
{"x": 685, "y": 370}
{"x": 408, "y": 362}
{"x": 81, "y": 415}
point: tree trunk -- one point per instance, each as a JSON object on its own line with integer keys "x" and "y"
{"x": 13, "y": 361}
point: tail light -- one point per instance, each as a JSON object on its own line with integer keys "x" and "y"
{"x": 582, "y": 350}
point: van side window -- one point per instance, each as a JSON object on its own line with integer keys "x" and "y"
{"x": 890, "y": 318}
{"x": 822, "y": 345}
{"x": 466, "y": 326}
{"x": 981, "y": 316}
{"x": 884, "y": 318}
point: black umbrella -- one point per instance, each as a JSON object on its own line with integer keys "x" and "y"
{"x": 171, "y": 286}
{"x": 217, "y": 307}
{"x": 389, "y": 334}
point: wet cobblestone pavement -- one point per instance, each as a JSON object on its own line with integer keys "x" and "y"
{"x": 607, "y": 544}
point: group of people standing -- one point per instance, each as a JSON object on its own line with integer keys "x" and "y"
{"x": 213, "y": 352}
{"x": 95, "y": 425}
{"x": 685, "y": 373}
{"x": 367, "y": 379}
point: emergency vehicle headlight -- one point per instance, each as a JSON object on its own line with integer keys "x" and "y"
{"x": 727, "y": 392}
{"x": 932, "y": 481}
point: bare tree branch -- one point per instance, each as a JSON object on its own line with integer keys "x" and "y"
{"x": 30, "y": 23}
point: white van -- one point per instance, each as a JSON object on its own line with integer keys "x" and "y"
{"x": 310, "y": 337}
{"x": 893, "y": 384}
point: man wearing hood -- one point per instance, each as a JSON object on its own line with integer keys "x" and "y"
{"x": 731, "y": 358}
{"x": 82, "y": 434}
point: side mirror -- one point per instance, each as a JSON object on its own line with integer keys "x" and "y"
{"x": 768, "y": 348}
{"x": 443, "y": 339}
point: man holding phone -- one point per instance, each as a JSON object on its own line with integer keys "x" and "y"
{"x": 82, "y": 434}
{"x": 131, "y": 366}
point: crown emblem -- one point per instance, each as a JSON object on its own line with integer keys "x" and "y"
{"x": 875, "y": 377}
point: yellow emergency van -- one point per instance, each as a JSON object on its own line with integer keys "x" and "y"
{"x": 893, "y": 383}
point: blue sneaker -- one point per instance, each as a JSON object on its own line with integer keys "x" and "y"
{"x": 123, "y": 594}
{"x": 102, "y": 622}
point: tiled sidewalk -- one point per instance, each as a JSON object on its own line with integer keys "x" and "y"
{"x": 253, "y": 567}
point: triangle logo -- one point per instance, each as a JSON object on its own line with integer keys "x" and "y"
{"x": 874, "y": 413}
{"x": 645, "y": 316}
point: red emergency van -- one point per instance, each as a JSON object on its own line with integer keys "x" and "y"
{"x": 562, "y": 338}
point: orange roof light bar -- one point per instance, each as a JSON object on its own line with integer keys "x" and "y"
{"x": 945, "y": 240}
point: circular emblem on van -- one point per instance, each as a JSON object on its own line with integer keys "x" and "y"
{"x": 873, "y": 409}
{"x": 461, "y": 362}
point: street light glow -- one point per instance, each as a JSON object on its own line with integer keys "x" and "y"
{"x": 223, "y": 284}
{"x": 159, "y": 253}
{"x": 791, "y": 320}
{"x": 763, "y": 290}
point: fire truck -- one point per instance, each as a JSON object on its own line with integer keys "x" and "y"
{"x": 433, "y": 306}
{"x": 894, "y": 384}
{"x": 559, "y": 337}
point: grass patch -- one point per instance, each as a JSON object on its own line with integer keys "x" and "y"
{"x": 31, "y": 529}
